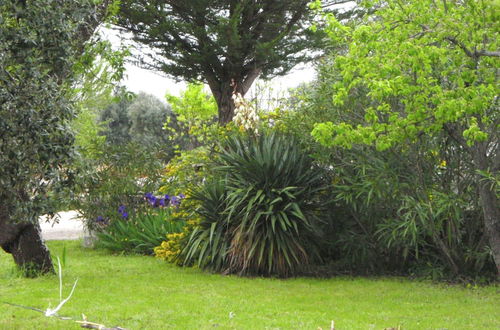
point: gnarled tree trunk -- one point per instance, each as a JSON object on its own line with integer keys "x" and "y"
{"x": 226, "y": 106}
{"x": 24, "y": 241}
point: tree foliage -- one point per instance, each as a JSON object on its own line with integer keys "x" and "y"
{"x": 430, "y": 68}
{"x": 195, "y": 112}
{"x": 193, "y": 103}
{"x": 41, "y": 45}
{"x": 116, "y": 120}
{"x": 40, "y": 42}
{"x": 226, "y": 44}
{"x": 136, "y": 118}
{"x": 410, "y": 209}
{"x": 147, "y": 116}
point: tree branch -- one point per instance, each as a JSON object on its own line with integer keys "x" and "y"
{"x": 488, "y": 53}
{"x": 473, "y": 54}
{"x": 250, "y": 78}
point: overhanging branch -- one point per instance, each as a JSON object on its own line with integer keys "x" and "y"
{"x": 473, "y": 54}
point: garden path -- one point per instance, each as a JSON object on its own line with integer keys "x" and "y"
{"x": 69, "y": 227}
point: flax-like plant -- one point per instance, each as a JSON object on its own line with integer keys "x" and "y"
{"x": 140, "y": 234}
{"x": 274, "y": 199}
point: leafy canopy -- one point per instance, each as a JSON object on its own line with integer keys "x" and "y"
{"x": 429, "y": 66}
{"x": 207, "y": 37}
{"x": 193, "y": 103}
{"x": 224, "y": 43}
{"x": 41, "y": 43}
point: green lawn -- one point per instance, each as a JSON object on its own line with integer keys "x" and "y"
{"x": 144, "y": 293}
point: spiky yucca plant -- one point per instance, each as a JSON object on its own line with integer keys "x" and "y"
{"x": 208, "y": 244}
{"x": 271, "y": 210}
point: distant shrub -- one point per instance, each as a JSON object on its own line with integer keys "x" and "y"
{"x": 120, "y": 176}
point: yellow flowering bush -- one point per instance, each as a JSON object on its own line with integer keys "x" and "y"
{"x": 191, "y": 167}
{"x": 186, "y": 171}
{"x": 170, "y": 250}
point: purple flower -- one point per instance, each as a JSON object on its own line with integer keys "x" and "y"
{"x": 122, "y": 211}
{"x": 182, "y": 196}
{"x": 167, "y": 197}
{"x": 161, "y": 202}
{"x": 153, "y": 201}
{"x": 175, "y": 201}
{"x": 101, "y": 220}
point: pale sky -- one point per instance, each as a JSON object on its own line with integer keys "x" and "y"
{"x": 138, "y": 80}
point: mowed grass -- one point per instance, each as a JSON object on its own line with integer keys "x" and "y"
{"x": 138, "y": 292}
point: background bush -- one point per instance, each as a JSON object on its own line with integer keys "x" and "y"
{"x": 120, "y": 176}
{"x": 412, "y": 209}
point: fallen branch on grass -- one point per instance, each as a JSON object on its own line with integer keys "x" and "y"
{"x": 91, "y": 325}
{"x": 53, "y": 312}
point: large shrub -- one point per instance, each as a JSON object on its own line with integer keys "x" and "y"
{"x": 264, "y": 214}
{"x": 430, "y": 77}
{"x": 411, "y": 209}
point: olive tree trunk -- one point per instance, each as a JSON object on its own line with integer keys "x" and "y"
{"x": 24, "y": 241}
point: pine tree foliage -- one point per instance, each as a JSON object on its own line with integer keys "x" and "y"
{"x": 225, "y": 43}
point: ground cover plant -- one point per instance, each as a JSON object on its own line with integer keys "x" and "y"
{"x": 160, "y": 295}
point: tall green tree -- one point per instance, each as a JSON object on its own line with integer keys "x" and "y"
{"x": 225, "y": 43}
{"x": 430, "y": 68}
{"x": 40, "y": 43}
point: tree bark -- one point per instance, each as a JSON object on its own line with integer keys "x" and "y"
{"x": 24, "y": 241}
{"x": 491, "y": 213}
{"x": 223, "y": 92}
{"x": 489, "y": 204}
{"x": 226, "y": 106}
